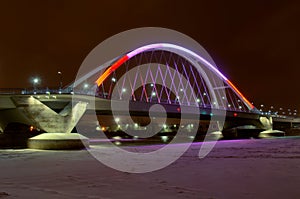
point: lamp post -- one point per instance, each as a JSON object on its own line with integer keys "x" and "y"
{"x": 60, "y": 81}
{"x": 35, "y": 82}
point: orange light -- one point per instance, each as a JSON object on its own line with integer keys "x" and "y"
{"x": 31, "y": 128}
{"x": 111, "y": 69}
{"x": 240, "y": 94}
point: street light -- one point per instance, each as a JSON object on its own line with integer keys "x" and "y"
{"x": 60, "y": 80}
{"x": 35, "y": 82}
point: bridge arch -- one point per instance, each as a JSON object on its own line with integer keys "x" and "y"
{"x": 214, "y": 80}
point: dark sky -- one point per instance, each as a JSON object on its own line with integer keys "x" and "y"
{"x": 254, "y": 43}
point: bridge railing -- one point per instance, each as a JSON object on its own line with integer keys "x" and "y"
{"x": 26, "y": 91}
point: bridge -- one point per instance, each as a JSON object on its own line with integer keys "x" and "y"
{"x": 164, "y": 74}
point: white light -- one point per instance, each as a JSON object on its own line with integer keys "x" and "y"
{"x": 124, "y": 90}
{"x": 136, "y": 125}
{"x": 113, "y": 79}
{"x": 164, "y": 126}
{"x": 181, "y": 90}
{"x": 85, "y": 85}
{"x": 153, "y": 94}
{"x": 198, "y": 100}
{"x": 204, "y": 94}
{"x": 151, "y": 85}
{"x": 117, "y": 137}
{"x": 240, "y": 107}
{"x": 36, "y": 80}
{"x": 117, "y": 119}
{"x": 164, "y": 138}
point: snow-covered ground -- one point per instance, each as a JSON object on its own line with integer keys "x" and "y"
{"x": 266, "y": 168}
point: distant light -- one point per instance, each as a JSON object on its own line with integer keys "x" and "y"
{"x": 124, "y": 90}
{"x": 85, "y": 85}
{"x": 117, "y": 119}
{"x": 204, "y": 94}
{"x": 181, "y": 90}
{"x": 36, "y": 80}
{"x": 153, "y": 94}
{"x": 240, "y": 107}
{"x": 117, "y": 143}
{"x": 198, "y": 100}
{"x": 59, "y": 72}
{"x": 151, "y": 85}
{"x": 235, "y": 114}
{"x": 164, "y": 138}
{"x": 164, "y": 126}
{"x": 113, "y": 79}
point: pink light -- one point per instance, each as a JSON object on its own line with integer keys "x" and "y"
{"x": 172, "y": 46}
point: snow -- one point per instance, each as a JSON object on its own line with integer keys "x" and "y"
{"x": 253, "y": 168}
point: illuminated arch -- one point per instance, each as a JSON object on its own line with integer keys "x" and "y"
{"x": 190, "y": 55}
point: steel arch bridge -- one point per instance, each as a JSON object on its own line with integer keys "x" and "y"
{"x": 207, "y": 87}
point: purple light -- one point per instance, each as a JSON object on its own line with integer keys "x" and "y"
{"x": 172, "y": 46}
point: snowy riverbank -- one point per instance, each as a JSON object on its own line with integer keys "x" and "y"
{"x": 266, "y": 168}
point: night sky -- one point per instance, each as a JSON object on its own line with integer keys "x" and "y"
{"x": 256, "y": 44}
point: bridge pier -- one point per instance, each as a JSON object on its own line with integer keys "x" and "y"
{"x": 58, "y": 126}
